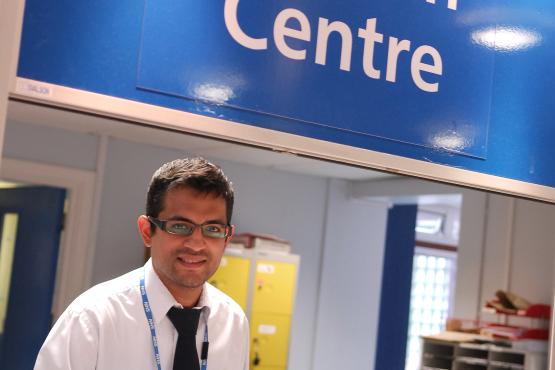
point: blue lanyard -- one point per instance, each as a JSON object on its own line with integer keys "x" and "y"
{"x": 150, "y": 319}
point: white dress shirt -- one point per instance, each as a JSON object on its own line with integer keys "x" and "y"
{"x": 105, "y": 328}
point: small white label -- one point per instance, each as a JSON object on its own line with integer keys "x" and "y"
{"x": 34, "y": 89}
{"x": 264, "y": 268}
{"x": 267, "y": 329}
{"x": 223, "y": 262}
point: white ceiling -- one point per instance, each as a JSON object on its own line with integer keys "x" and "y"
{"x": 203, "y": 146}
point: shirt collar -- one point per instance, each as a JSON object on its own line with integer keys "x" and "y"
{"x": 161, "y": 300}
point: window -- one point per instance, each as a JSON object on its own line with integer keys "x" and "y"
{"x": 429, "y": 222}
{"x": 433, "y": 281}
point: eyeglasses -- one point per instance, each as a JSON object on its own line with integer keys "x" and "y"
{"x": 186, "y": 228}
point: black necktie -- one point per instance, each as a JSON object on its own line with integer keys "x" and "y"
{"x": 185, "y": 321}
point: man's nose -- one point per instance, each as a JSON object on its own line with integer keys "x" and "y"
{"x": 196, "y": 239}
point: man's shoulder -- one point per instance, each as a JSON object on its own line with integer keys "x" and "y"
{"x": 223, "y": 303}
{"x": 103, "y": 295}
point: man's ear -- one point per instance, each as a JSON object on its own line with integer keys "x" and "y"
{"x": 145, "y": 230}
{"x": 230, "y": 236}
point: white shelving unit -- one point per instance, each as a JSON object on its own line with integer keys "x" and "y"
{"x": 438, "y": 354}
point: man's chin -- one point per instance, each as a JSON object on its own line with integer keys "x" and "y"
{"x": 190, "y": 283}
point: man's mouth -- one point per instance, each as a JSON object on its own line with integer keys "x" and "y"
{"x": 191, "y": 261}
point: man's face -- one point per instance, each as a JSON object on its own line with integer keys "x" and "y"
{"x": 186, "y": 262}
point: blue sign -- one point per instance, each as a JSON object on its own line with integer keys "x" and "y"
{"x": 494, "y": 87}
{"x": 380, "y": 68}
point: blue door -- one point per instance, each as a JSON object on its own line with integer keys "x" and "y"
{"x": 396, "y": 285}
{"x": 32, "y": 217}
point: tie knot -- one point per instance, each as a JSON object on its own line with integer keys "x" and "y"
{"x": 185, "y": 320}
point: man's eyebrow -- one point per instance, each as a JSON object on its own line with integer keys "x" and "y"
{"x": 181, "y": 218}
{"x": 219, "y": 221}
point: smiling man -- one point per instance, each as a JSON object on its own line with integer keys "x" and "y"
{"x": 163, "y": 315}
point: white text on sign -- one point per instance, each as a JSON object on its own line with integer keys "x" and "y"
{"x": 369, "y": 35}
{"x": 451, "y": 4}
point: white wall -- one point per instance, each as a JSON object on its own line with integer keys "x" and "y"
{"x": 51, "y": 146}
{"x": 469, "y": 255}
{"x": 350, "y": 288}
{"x": 519, "y": 251}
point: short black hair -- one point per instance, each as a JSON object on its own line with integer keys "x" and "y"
{"x": 196, "y": 173}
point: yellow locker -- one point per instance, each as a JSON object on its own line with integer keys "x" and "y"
{"x": 264, "y": 284}
{"x": 274, "y": 287}
{"x": 269, "y": 340}
{"x": 232, "y": 278}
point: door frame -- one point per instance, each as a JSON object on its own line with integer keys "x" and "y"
{"x": 76, "y": 253}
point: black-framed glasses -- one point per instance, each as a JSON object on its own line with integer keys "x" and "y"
{"x": 187, "y": 228}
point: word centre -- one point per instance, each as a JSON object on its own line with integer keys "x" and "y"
{"x": 369, "y": 35}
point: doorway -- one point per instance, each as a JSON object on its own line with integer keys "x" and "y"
{"x": 32, "y": 222}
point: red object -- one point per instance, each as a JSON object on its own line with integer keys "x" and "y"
{"x": 536, "y": 310}
{"x": 514, "y": 332}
